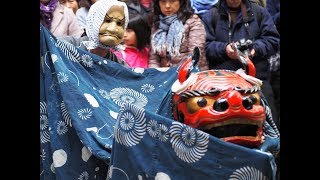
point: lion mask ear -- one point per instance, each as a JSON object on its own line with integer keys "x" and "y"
{"x": 186, "y": 68}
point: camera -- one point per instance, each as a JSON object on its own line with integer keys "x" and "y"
{"x": 244, "y": 46}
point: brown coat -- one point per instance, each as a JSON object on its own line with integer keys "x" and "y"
{"x": 195, "y": 35}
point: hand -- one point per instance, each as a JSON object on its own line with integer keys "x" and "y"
{"x": 252, "y": 52}
{"x": 231, "y": 52}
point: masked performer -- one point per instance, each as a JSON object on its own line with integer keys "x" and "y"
{"x": 106, "y": 24}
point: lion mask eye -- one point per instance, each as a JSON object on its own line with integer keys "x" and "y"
{"x": 194, "y": 104}
{"x": 255, "y": 98}
{"x": 202, "y": 102}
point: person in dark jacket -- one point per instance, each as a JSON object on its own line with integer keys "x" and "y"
{"x": 273, "y": 6}
{"x": 225, "y": 25}
{"x": 140, "y": 7}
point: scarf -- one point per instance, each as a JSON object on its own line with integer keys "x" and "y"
{"x": 167, "y": 39}
{"x": 46, "y": 13}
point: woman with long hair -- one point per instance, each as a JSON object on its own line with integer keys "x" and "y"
{"x": 176, "y": 31}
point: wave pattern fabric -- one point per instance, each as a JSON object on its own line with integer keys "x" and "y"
{"x": 101, "y": 120}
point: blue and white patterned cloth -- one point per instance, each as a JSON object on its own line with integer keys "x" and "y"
{"x": 100, "y": 120}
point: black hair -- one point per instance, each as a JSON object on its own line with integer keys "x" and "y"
{"x": 141, "y": 29}
{"x": 185, "y": 12}
{"x": 136, "y": 2}
{"x": 85, "y": 3}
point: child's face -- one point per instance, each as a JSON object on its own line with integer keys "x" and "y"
{"x": 112, "y": 28}
{"x": 130, "y": 38}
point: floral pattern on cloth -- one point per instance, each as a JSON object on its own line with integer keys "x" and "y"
{"x": 101, "y": 120}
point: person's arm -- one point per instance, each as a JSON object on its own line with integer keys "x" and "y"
{"x": 73, "y": 27}
{"x": 81, "y": 15}
{"x": 273, "y": 7}
{"x": 76, "y": 41}
{"x": 215, "y": 50}
{"x": 197, "y": 38}
{"x": 268, "y": 43}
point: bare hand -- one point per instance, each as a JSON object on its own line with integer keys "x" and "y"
{"x": 252, "y": 52}
{"x": 231, "y": 52}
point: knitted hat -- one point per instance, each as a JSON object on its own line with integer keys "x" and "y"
{"x": 95, "y": 18}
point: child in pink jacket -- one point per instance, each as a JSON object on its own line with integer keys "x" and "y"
{"x": 136, "y": 42}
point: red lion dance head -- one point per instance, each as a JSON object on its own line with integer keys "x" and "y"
{"x": 223, "y": 103}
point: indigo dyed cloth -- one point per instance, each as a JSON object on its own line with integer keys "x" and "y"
{"x": 81, "y": 94}
{"x": 101, "y": 120}
{"x": 155, "y": 147}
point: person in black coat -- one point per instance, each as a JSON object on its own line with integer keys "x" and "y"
{"x": 233, "y": 20}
